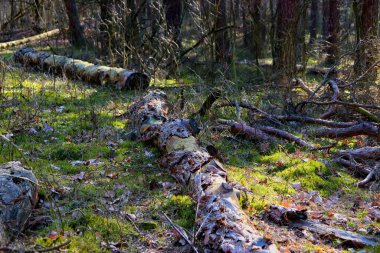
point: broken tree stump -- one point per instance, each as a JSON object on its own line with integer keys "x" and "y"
{"x": 222, "y": 224}
{"x": 85, "y": 71}
{"x": 18, "y": 196}
{"x": 31, "y": 39}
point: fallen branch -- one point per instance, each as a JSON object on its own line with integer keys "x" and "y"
{"x": 374, "y": 174}
{"x": 181, "y": 232}
{"x": 210, "y": 100}
{"x": 54, "y": 248}
{"x": 252, "y": 108}
{"x": 364, "y": 128}
{"x": 298, "y": 83}
{"x": 224, "y": 225}
{"x": 285, "y": 135}
{"x": 297, "y": 219}
{"x": 361, "y": 153}
{"x": 77, "y": 69}
{"x": 32, "y": 39}
{"x": 305, "y": 119}
{"x": 251, "y": 133}
{"x": 332, "y": 108}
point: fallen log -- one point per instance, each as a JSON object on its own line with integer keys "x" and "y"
{"x": 363, "y": 128}
{"x": 31, "y": 39}
{"x": 18, "y": 191}
{"x": 222, "y": 224}
{"x": 297, "y": 219}
{"x": 85, "y": 71}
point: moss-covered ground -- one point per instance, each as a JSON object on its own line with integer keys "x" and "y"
{"x": 105, "y": 192}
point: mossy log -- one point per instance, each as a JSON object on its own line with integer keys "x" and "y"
{"x": 222, "y": 224}
{"x": 31, "y": 39}
{"x": 85, "y": 71}
{"x": 18, "y": 196}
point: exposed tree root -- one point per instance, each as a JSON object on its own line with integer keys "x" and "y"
{"x": 223, "y": 226}
{"x": 77, "y": 69}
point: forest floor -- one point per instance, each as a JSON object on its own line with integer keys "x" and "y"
{"x": 106, "y": 193}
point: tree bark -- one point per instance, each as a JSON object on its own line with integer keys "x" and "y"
{"x": 314, "y": 13}
{"x": 333, "y": 29}
{"x": 366, "y": 19}
{"x": 76, "y": 32}
{"x": 222, "y": 42}
{"x": 223, "y": 226}
{"x": 254, "y": 11}
{"x": 35, "y": 38}
{"x": 173, "y": 15}
{"x": 284, "y": 54}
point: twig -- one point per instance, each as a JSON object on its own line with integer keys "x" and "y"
{"x": 180, "y": 231}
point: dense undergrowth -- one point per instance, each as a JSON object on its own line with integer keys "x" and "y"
{"x": 102, "y": 190}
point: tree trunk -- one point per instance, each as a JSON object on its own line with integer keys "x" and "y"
{"x": 222, "y": 42}
{"x": 284, "y": 55}
{"x": 366, "y": 17}
{"x": 325, "y": 18}
{"x": 222, "y": 224}
{"x": 314, "y": 13}
{"x": 173, "y": 14}
{"x": 333, "y": 32}
{"x": 85, "y": 71}
{"x": 107, "y": 28}
{"x": 254, "y": 11}
{"x": 76, "y": 32}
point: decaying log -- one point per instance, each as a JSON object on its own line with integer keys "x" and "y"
{"x": 223, "y": 226}
{"x": 18, "y": 192}
{"x": 31, "y": 39}
{"x": 85, "y": 71}
{"x": 297, "y": 219}
{"x": 363, "y": 128}
{"x": 323, "y": 122}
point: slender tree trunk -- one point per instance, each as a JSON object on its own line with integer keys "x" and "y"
{"x": 366, "y": 20}
{"x": 254, "y": 11}
{"x": 284, "y": 55}
{"x": 76, "y": 31}
{"x": 222, "y": 42}
{"x": 325, "y": 18}
{"x": 173, "y": 11}
{"x": 106, "y": 27}
{"x": 314, "y": 13}
{"x": 333, "y": 33}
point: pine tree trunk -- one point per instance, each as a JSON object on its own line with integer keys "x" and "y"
{"x": 76, "y": 32}
{"x": 173, "y": 11}
{"x": 325, "y": 18}
{"x": 314, "y": 13}
{"x": 284, "y": 54}
{"x": 366, "y": 16}
{"x": 333, "y": 33}
{"x": 222, "y": 42}
{"x": 254, "y": 11}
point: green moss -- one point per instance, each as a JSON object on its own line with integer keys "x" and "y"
{"x": 182, "y": 209}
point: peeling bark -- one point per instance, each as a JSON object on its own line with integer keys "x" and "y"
{"x": 77, "y": 69}
{"x": 31, "y": 39}
{"x": 18, "y": 196}
{"x": 222, "y": 224}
